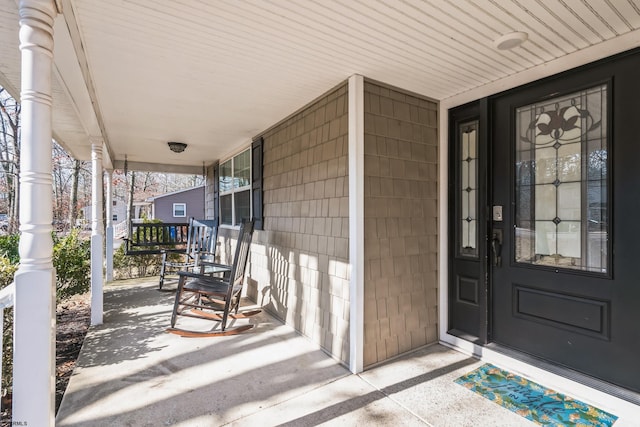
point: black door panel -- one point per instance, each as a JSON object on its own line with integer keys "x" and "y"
{"x": 567, "y": 289}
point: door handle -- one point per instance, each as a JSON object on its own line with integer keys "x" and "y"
{"x": 496, "y": 248}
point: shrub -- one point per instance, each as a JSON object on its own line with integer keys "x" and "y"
{"x": 8, "y": 265}
{"x": 130, "y": 266}
{"x": 9, "y": 248}
{"x": 72, "y": 260}
{"x": 7, "y": 270}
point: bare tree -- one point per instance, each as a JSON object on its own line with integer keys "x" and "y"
{"x": 10, "y": 156}
{"x": 131, "y": 194}
{"x": 60, "y": 182}
{"x": 68, "y": 176}
{"x": 73, "y": 199}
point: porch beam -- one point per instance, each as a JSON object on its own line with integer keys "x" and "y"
{"x": 157, "y": 167}
{"x": 356, "y": 223}
{"x": 109, "y": 228}
{"x": 34, "y": 311}
{"x": 97, "y": 255}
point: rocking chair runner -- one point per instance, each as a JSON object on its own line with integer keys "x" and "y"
{"x": 206, "y": 297}
{"x": 201, "y": 243}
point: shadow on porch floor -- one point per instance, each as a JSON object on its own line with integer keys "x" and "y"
{"x": 132, "y": 373}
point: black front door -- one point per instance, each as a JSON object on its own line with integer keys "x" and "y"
{"x": 563, "y": 218}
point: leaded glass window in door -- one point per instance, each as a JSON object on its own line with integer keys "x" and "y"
{"x": 561, "y": 203}
{"x": 468, "y": 191}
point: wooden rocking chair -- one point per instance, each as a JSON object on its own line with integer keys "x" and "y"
{"x": 206, "y": 297}
{"x": 201, "y": 244}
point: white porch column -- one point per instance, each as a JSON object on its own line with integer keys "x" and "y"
{"x": 109, "y": 228}
{"x": 97, "y": 254}
{"x": 356, "y": 223}
{"x": 34, "y": 315}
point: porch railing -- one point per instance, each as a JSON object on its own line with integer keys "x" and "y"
{"x": 6, "y": 301}
{"x": 120, "y": 229}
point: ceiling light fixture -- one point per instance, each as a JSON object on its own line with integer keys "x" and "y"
{"x": 177, "y": 147}
{"x": 510, "y": 40}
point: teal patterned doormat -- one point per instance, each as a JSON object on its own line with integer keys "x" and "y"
{"x": 533, "y": 401}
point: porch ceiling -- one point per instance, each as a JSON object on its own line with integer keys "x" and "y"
{"x": 213, "y": 74}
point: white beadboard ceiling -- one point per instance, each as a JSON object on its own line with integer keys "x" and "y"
{"x": 215, "y": 73}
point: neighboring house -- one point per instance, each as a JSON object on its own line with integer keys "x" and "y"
{"x": 141, "y": 210}
{"x": 178, "y": 206}
{"x": 118, "y": 213}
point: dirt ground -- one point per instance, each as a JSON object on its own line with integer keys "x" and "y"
{"x": 72, "y": 321}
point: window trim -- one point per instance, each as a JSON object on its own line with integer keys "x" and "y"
{"x": 184, "y": 210}
{"x": 235, "y": 225}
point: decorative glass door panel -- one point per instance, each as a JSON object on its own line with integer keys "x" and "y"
{"x": 561, "y": 182}
{"x": 468, "y": 192}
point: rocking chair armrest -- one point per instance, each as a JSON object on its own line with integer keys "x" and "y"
{"x": 173, "y": 251}
{"x": 210, "y": 267}
{"x": 215, "y": 264}
{"x": 190, "y": 274}
{"x": 193, "y": 275}
{"x": 202, "y": 278}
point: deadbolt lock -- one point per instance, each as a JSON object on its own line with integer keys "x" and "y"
{"x": 497, "y": 213}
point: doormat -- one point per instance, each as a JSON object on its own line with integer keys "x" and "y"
{"x": 531, "y": 400}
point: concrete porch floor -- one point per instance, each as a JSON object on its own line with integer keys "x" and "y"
{"x": 132, "y": 373}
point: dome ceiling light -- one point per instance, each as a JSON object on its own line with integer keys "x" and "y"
{"x": 510, "y": 40}
{"x": 177, "y": 147}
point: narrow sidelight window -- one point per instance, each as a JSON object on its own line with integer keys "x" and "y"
{"x": 468, "y": 191}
